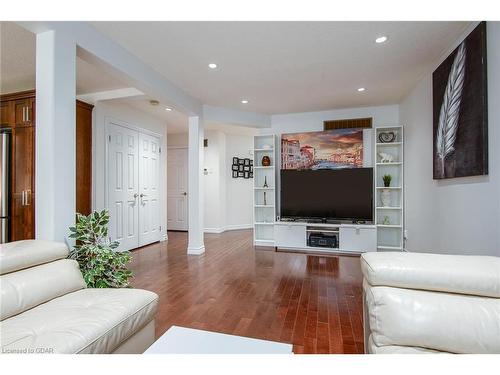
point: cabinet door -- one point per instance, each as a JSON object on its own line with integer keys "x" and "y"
{"x": 24, "y": 112}
{"x": 5, "y": 114}
{"x": 290, "y": 235}
{"x": 358, "y": 239}
{"x": 83, "y": 159}
{"x": 23, "y": 196}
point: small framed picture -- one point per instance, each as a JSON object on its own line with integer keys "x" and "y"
{"x": 247, "y": 161}
{"x": 241, "y": 161}
{"x": 240, "y": 167}
{"x": 250, "y": 175}
{"x": 235, "y": 174}
{"x": 241, "y": 174}
{"x": 246, "y": 168}
{"x": 251, "y": 161}
{"x": 235, "y": 160}
{"x": 247, "y": 175}
{"x": 234, "y": 167}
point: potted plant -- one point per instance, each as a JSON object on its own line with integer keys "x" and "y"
{"x": 387, "y": 178}
{"x": 101, "y": 266}
{"x": 385, "y": 195}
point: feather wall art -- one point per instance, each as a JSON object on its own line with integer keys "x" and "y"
{"x": 460, "y": 129}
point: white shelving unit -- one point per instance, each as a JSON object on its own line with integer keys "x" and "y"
{"x": 264, "y": 211}
{"x": 390, "y": 236}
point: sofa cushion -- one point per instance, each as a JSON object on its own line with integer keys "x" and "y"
{"x": 475, "y": 275}
{"x": 25, "y": 289}
{"x": 395, "y": 349}
{"x": 85, "y": 321}
{"x": 18, "y": 255}
{"x": 440, "y": 321}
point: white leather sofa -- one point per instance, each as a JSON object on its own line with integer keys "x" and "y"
{"x": 46, "y": 307}
{"x": 430, "y": 303}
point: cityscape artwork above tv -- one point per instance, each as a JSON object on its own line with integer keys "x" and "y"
{"x": 329, "y": 149}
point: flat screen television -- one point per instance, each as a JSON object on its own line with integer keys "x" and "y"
{"x": 334, "y": 194}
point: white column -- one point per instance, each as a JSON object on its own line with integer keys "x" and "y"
{"x": 55, "y": 135}
{"x": 195, "y": 186}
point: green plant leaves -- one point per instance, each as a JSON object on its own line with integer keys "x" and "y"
{"x": 101, "y": 266}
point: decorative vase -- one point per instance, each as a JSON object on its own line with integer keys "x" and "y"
{"x": 385, "y": 197}
{"x": 266, "y": 161}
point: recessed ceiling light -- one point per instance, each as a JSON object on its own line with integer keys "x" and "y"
{"x": 212, "y": 65}
{"x": 244, "y": 101}
{"x": 361, "y": 89}
{"x": 381, "y": 39}
{"x": 168, "y": 109}
{"x": 154, "y": 102}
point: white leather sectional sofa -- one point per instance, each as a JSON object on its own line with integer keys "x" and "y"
{"x": 46, "y": 307}
{"x": 430, "y": 303}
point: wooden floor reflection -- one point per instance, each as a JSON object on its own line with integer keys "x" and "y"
{"x": 313, "y": 302}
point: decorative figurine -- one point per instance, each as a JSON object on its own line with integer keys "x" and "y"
{"x": 265, "y": 182}
{"x": 266, "y": 161}
{"x": 386, "y": 220}
{"x": 385, "y": 158}
{"x": 265, "y": 200}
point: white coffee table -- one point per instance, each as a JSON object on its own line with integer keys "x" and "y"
{"x": 180, "y": 340}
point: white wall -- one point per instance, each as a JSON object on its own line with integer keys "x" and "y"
{"x": 228, "y": 201}
{"x": 239, "y": 191}
{"x": 126, "y": 114}
{"x": 457, "y": 216}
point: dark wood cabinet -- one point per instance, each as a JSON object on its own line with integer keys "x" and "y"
{"x": 22, "y": 186}
{"x": 17, "y": 113}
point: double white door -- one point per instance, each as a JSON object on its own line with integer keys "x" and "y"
{"x": 133, "y": 187}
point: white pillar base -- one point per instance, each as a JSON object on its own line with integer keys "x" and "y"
{"x": 196, "y": 250}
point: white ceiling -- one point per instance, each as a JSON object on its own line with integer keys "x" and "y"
{"x": 17, "y": 65}
{"x": 288, "y": 66}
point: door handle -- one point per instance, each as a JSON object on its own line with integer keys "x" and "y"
{"x": 136, "y": 195}
{"x": 27, "y": 113}
{"x": 24, "y": 114}
{"x": 23, "y": 200}
{"x": 143, "y": 195}
{"x": 26, "y": 196}
{"x": 184, "y": 193}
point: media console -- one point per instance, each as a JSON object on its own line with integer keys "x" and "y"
{"x": 318, "y": 237}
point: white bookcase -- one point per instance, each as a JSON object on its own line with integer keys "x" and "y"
{"x": 389, "y": 219}
{"x": 264, "y": 208}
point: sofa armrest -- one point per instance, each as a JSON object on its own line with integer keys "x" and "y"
{"x": 473, "y": 275}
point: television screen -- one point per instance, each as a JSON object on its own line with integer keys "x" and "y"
{"x": 343, "y": 194}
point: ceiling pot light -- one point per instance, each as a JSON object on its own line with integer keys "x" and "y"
{"x": 168, "y": 109}
{"x": 361, "y": 89}
{"x": 244, "y": 101}
{"x": 381, "y": 39}
{"x": 154, "y": 102}
{"x": 212, "y": 65}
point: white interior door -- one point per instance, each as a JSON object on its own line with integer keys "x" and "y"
{"x": 177, "y": 198}
{"x": 149, "y": 181}
{"x": 123, "y": 184}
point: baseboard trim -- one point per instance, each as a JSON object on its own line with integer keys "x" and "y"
{"x": 228, "y": 227}
{"x": 196, "y": 250}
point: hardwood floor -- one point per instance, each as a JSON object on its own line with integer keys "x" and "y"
{"x": 314, "y": 302}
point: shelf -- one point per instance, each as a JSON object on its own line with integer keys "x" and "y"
{"x": 264, "y": 206}
{"x": 388, "y": 127}
{"x": 383, "y": 247}
{"x": 263, "y": 223}
{"x": 391, "y": 163}
{"x": 263, "y": 188}
{"x": 388, "y": 208}
{"x": 389, "y": 226}
{"x": 322, "y": 231}
{"x": 263, "y": 135}
{"x": 389, "y": 144}
{"x": 390, "y": 187}
{"x": 260, "y": 167}
{"x": 263, "y": 149}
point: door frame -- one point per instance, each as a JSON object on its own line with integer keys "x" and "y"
{"x": 113, "y": 120}
{"x": 187, "y": 213}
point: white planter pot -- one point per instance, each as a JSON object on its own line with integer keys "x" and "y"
{"x": 385, "y": 197}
